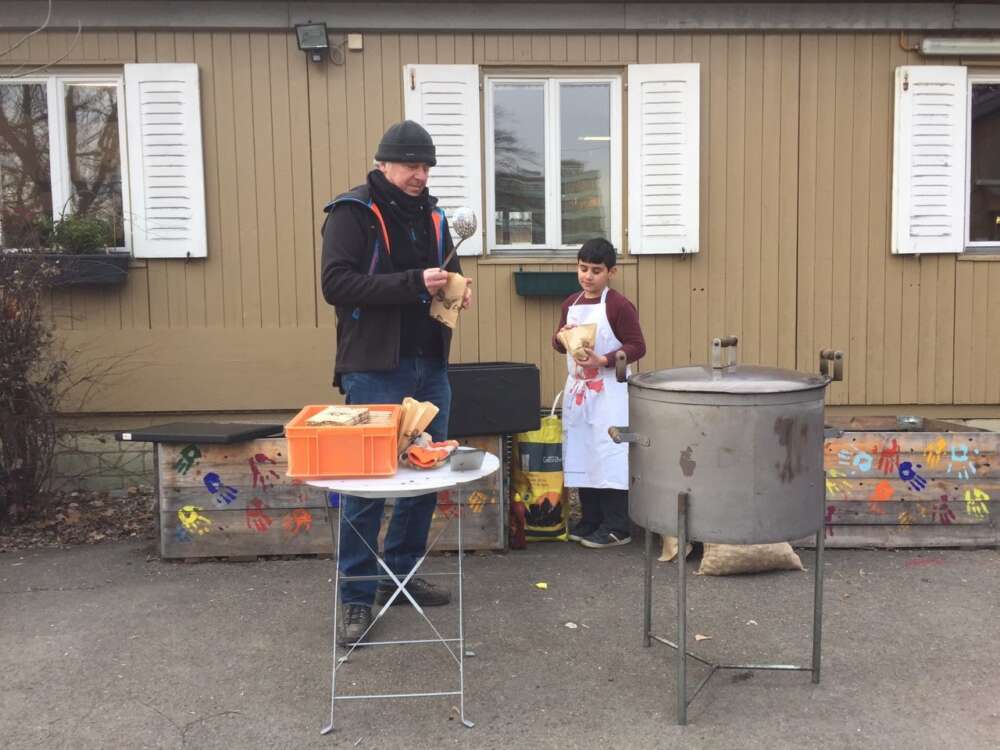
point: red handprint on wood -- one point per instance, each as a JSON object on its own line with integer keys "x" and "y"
{"x": 888, "y": 458}
{"x": 263, "y": 479}
{"x": 257, "y": 519}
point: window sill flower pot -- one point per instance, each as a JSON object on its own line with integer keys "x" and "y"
{"x": 546, "y": 283}
{"x": 97, "y": 269}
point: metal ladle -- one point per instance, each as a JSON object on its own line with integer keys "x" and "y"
{"x": 464, "y": 222}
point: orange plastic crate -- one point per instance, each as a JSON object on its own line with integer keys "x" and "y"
{"x": 331, "y": 451}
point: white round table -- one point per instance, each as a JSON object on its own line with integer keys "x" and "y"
{"x": 406, "y": 482}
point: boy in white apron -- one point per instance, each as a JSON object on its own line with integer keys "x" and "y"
{"x": 594, "y": 400}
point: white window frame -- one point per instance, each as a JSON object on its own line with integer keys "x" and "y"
{"x": 553, "y": 202}
{"x": 974, "y": 77}
{"x": 58, "y": 141}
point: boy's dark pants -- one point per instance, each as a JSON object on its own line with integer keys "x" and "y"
{"x": 605, "y": 507}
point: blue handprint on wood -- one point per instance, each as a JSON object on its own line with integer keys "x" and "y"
{"x": 909, "y": 475}
{"x": 223, "y": 493}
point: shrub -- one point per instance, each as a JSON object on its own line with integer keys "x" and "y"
{"x": 82, "y": 234}
{"x": 31, "y": 378}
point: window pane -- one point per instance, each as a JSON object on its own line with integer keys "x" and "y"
{"x": 585, "y": 160}
{"x": 984, "y": 164}
{"x": 94, "y": 157}
{"x": 25, "y": 179}
{"x": 519, "y": 159}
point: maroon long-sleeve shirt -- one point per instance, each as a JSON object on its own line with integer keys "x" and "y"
{"x": 624, "y": 320}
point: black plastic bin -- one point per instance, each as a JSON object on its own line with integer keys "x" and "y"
{"x": 493, "y": 398}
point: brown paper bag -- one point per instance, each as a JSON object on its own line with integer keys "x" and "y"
{"x": 416, "y": 417}
{"x": 670, "y": 548}
{"x": 578, "y": 338}
{"x": 447, "y": 302}
{"x": 733, "y": 559}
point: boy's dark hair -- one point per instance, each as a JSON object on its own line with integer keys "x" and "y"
{"x": 598, "y": 250}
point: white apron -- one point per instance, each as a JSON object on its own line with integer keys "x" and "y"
{"x": 594, "y": 400}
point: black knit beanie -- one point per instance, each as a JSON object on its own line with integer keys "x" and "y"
{"x": 407, "y": 141}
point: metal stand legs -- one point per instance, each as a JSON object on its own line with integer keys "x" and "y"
{"x": 681, "y": 645}
{"x": 400, "y": 584}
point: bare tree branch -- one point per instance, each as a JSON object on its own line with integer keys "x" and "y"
{"x": 76, "y": 39}
{"x": 30, "y": 34}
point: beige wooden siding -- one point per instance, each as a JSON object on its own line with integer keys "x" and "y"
{"x": 796, "y": 133}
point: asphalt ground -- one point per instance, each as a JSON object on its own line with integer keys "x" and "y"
{"x": 108, "y": 647}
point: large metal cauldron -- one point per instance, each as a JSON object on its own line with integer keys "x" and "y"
{"x": 745, "y": 442}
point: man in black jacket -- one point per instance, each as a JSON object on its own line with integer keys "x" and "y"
{"x": 383, "y": 245}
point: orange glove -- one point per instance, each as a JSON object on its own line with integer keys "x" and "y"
{"x": 430, "y": 456}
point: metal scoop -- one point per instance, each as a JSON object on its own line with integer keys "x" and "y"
{"x": 463, "y": 221}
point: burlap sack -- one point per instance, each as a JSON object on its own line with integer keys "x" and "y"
{"x": 577, "y": 339}
{"x": 733, "y": 559}
{"x": 669, "y": 551}
{"x": 447, "y": 302}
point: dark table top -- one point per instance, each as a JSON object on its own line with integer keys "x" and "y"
{"x": 200, "y": 432}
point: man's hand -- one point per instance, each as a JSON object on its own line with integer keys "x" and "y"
{"x": 593, "y": 360}
{"x": 434, "y": 279}
{"x": 467, "y": 297}
{"x": 566, "y": 327}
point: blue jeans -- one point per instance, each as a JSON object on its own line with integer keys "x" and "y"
{"x": 424, "y": 379}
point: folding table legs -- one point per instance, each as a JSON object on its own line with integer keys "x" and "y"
{"x": 400, "y": 584}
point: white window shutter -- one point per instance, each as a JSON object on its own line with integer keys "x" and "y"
{"x": 929, "y": 157}
{"x": 663, "y": 158}
{"x": 445, "y": 100}
{"x": 166, "y": 169}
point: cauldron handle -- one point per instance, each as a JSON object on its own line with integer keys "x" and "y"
{"x": 826, "y": 356}
{"x": 728, "y": 343}
{"x": 623, "y": 435}
{"x": 621, "y": 366}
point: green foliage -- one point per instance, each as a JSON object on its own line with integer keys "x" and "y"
{"x": 82, "y": 234}
{"x": 31, "y": 378}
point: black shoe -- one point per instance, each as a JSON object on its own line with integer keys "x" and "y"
{"x": 581, "y": 530}
{"x": 425, "y": 594}
{"x": 355, "y": 622}
{"x": 604, "y": 538}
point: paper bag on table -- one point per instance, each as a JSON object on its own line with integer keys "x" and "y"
{"x": 416, "y": 417}
{"x": 577, "y": 339}
{"x": 447, "y": 301}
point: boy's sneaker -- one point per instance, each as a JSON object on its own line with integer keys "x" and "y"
{"x": 604, "y": 538}
{"x": 356, "y": 620}
{"x": 580, "y": 531}
{"x": 424, "y": 593}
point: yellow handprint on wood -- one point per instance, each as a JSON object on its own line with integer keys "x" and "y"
{"x": 976, "y": 503}
{"x": 191, "y": 519}
{"x": 836, "y": 483}
{"x": 935, "y": 452}
{"x": 477, "y": 501}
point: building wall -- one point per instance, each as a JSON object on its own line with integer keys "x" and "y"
{"x": 796, "y": 133}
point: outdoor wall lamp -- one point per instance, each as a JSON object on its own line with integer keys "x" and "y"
{"x": 312, "y": 38}
{"x": 960, "y": 46}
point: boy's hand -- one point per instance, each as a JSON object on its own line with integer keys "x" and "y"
{"x": 593, "y": 360}
{"x": 566, "y": 327}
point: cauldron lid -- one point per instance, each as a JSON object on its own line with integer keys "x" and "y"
{"x": 735, "y": 379}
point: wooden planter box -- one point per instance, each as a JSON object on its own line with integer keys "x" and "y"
{"x": 236, "y": 501}
{"x": 546, "y": 283}
{"x": 936, "y": 485}
{"x": 98, "y": 269}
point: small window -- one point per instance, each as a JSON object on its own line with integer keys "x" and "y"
{"x": 984, "y": 162}
{"x": 553, "y": 154}
{"x": 61, "y": 152}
